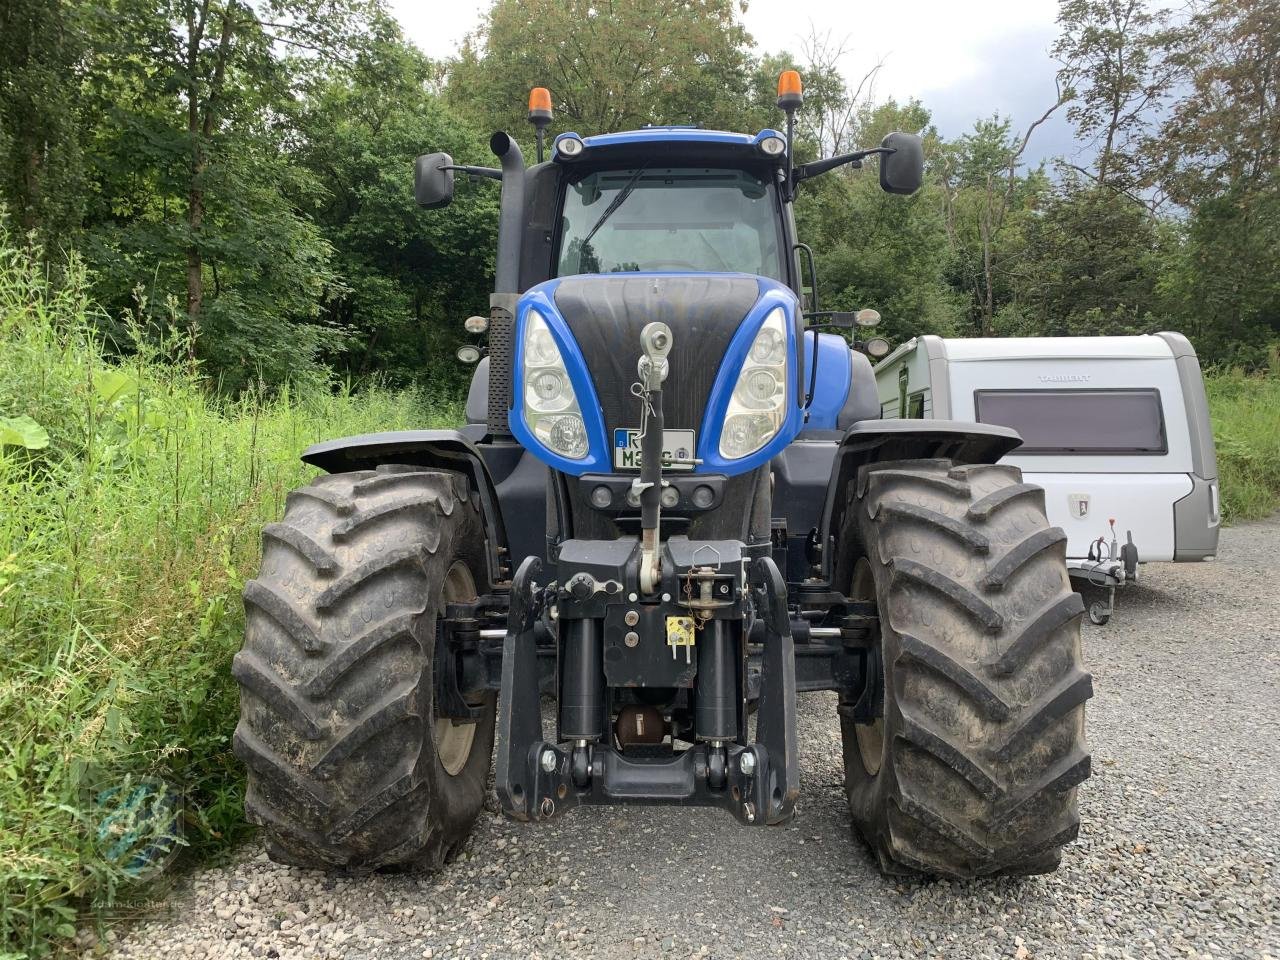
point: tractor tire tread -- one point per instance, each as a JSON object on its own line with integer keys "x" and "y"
{"x": 335, "y": 675}
{"x": 983, "y": 731}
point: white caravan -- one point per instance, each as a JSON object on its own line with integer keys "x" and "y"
{"x": 1115, "y": 429}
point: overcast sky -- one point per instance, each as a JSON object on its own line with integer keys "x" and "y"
{"x": 963, "y": 60}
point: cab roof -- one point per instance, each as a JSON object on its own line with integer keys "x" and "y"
{"x": 676, "y": 145}
{"x": 675, "y": 134}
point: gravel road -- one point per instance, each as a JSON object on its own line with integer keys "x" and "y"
{"x": 1177, "y": 855}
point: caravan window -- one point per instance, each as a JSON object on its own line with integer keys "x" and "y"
{"x": 1078, "y": 421}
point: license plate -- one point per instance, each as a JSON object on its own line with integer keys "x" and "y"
{"x": 677, "y": 445}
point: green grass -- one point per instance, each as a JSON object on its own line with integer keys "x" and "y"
{"x": 124, "y": 544}
{"x": 1246, "y": 428}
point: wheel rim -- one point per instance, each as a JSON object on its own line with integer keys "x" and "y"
{"x": 870, "y": 736}
{"x": 453, "y": 740}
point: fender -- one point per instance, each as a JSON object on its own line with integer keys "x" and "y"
{"x": 884, "y": 441}
{"x": 439, "y": 449}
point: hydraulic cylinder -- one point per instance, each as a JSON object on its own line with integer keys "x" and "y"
{"x": 716, "y": 686}
{"x": 582, "y": 681}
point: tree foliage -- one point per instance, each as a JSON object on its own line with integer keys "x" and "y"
{"x": 612, "y": 65}
{"x": 240, "y": 170}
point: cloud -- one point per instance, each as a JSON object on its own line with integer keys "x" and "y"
{"x": 964, "y": 61}
{"x": 1016, "y": 79}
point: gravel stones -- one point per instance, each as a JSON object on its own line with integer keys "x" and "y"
{"x": 1177, "y": 856}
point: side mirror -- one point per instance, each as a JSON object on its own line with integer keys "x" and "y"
{"x": 902, "y": 170}
{"x": 432, "y": 183}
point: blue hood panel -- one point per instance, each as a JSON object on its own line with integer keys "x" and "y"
{"x": 596, "y": 320}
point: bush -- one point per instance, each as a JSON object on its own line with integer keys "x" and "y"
{"x": 130, "y": 504}
{"x": 1246, "y": 428}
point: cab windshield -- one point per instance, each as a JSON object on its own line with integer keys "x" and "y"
{"x": 670, "y": 219}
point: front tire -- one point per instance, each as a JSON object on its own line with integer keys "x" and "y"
{"x": 972, "y": 765}
{"x": 348, "y": 766}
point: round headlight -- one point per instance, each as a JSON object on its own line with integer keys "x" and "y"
{"x": 773, "y": 146}
{"x": 475, "y": 324}
{"x": 876, "y": 347}
{"x": 548, "y": 385}
{"x": 468, "y": 354}
{"x": 566, "y": 435}
{"x": 601, "y": 497}
{"x": 762, "y": 385}
{"x": 745, "y": 433}
{"x": 770, "y": 346}
{"x": 569, "y": 146}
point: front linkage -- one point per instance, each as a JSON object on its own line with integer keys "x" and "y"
{"x": 596, "y": 603}
{"x": 638, "y": 617}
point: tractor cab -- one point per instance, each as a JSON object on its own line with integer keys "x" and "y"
{"x": 686, "y": 227}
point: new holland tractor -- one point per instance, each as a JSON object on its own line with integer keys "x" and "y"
{"x": 674, "y": 509}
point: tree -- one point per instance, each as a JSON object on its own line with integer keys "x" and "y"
{"x": 611, "y": 65}
{"x": 982, "y": 191}
{"x": 833, "y": 112}
{"x": 1087, "y": 264}
{"x": 1225, "y": 132}
{"x": 193, "y": 192}
{"x": 41, "y": 46}
{"x": 1218, "y": 155}
{"x": 410, "y": 275}
{"x": 1116, "y": 73}
{"x": 877, "y": 250}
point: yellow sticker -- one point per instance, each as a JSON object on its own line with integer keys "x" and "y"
{"x": 680, "y": 632}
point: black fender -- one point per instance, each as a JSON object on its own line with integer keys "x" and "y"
{"x": 438, "y": 449}
{"x": 884, "y": 441}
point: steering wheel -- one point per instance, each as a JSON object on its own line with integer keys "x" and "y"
{"x": 671, "y": 265}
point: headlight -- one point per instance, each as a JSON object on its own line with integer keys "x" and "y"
{"x": 550, "y": 406}
{"x": 758, "y": 406}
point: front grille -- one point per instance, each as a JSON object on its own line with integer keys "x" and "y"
{"x": 607, "y": 313}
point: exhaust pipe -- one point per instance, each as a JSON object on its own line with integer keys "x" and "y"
{"x": 506, "y": 281}
{"x": 511, "y": 221}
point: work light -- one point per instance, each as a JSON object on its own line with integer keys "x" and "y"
{"x": 757, "y": 407}
{"x": 773, "y": 146}
{"x": 568, "y": 145}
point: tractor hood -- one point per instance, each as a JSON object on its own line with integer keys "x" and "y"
{"x": 596, "y": 320}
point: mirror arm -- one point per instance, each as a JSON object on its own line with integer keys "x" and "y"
{"x": 839, "y": 319}
{"x": 816, "y": 167}
{"x": 493, "y": 173}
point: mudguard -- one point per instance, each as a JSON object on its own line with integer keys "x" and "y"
{"x": 880, "y": 441}
{"x": 438, "y": 449}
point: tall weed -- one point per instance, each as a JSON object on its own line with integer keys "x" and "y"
{"x": 1246, "y": 428}
{"x": 130, "y": 505}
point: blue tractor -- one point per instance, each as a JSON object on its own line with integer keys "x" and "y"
{"x": 673, "y": 509}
